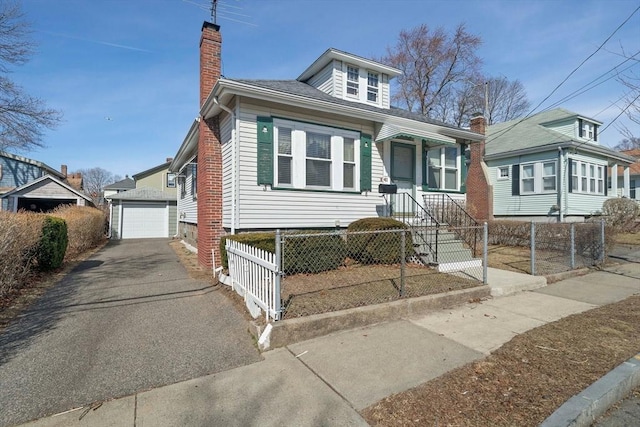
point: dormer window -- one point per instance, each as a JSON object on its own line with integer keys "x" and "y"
{"x": 587, "y": 130}
{"x": 353, "y": 76}
{"x": 372, "y": 86}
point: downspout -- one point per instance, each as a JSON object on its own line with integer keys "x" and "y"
{"x": 233, "y": 162}
{"x": 561, "y": 187}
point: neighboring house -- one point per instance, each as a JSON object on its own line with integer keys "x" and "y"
{"x": 22, "y": 185}
{"x": 148, "y": 210}
{"x": 634, "y": 176}
{"x": 42, "y": 195}
{"x": 550, "y": 166}
{"x": 118, "y": 187}
{"x": 305, "y": 153}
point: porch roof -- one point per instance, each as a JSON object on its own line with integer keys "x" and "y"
{"x": 392, "y": 131}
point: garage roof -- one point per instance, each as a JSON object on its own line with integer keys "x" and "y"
{"x": 144, "y": 193}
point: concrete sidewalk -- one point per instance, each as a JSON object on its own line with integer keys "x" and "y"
{"x": 327, "y": 380}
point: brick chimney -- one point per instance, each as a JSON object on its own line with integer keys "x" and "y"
{"x": 209, "y": 176}
{"x": 479, "y": 192}
{"x": 63, "y": 170}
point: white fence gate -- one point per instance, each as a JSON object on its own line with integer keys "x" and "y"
{"x": 255, "y": 275}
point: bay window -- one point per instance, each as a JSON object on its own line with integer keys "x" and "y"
{"x": 587, "y": 177}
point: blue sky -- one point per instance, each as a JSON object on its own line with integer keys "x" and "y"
{"x": 125, "y": 72}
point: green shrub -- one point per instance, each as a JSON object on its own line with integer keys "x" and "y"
{"x": 317, "y": 251}
{"x": 53, "y": 244}
{"x": 309, "y": 254}
{"x": 265, "y": 241}
{"x": 377, "y": 248}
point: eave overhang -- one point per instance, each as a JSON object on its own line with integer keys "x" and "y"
{"x": 578, "y": 146}
{"x": 226, "y": 89}
{"x": 188, "y": 148}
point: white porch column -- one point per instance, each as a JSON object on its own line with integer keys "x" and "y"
{"x": 627, "y": 183}
{"x": 614, "y": 180}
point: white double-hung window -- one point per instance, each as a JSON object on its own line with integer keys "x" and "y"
{"x": 540, "y": 177}
{"x": 443, "y": 166}
{"x": 315, "y": 157}
{"x": 353, "y": 80}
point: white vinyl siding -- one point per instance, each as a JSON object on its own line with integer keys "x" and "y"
{"x": 226, "y": 129}
{"x": 324, "y": 79}
{"x": 268, "y": 209}
{"x": 187, "y": 200}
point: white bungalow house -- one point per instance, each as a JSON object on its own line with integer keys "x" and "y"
{"x": 304, "y": 153}
{"x": 550, "y": 166}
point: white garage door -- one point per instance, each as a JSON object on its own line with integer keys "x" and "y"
{"x": 141, "y": 220}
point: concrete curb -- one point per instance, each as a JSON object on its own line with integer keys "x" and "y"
{"x": 290, "y": 331}
{"x": 583, "y": 408}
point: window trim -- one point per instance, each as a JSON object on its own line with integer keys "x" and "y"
{"x": 299, "y": 157}
{"x": 168, "y": 180}
{"x": 499, "y": 176}
{"x": 443, "y": 168}
{"x": 538, "y": 177}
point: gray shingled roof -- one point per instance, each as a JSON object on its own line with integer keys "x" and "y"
{"x": 521, "y": 134}
{"x": 296, "y": 87}
{"x": 144, "y": 193}
{"x": 124, "y": 184}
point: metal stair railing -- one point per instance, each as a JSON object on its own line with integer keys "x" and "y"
{"x": 422, "y": 224}
{"x": 448, "y": 211}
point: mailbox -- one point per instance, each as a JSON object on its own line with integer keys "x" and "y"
{"x": 387, "y": 188}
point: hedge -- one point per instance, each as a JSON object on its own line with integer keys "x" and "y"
{"x": 86, "y": 227}
{"x": 377, "y": 248}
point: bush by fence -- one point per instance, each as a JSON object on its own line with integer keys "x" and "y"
{"x": 85, "y": 226}
{"x": 19, "y": 236}
{"x": 380, "y": 248}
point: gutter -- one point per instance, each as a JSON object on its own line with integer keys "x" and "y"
{"x": 233, "y": 161}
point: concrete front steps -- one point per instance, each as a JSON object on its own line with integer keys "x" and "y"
{"x": 452, "y": 253}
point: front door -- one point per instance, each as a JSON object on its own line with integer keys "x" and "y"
{"x": 403, "y": 174}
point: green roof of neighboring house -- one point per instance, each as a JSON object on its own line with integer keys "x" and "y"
{"x": 529, "y": 135}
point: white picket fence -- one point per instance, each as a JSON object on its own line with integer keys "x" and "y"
{"x": 255, "y": 275}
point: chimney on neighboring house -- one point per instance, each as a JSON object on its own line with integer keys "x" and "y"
{"x": 63, "y": 170}
{"x": 209, "y": 176}
{"x": 479, "y": 192}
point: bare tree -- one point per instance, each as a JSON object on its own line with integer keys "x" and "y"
{"x": 23, "y": 118}
{"x": 631, "y": 104}
{"x": 432, "y": 62}
{"x": 631, "y": 143}
{"x": 507, "y": 100}
{"x": 94, "y": 181}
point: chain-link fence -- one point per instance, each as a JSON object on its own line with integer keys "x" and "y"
{"x": 549, "y": 248}
{"x": 329, "y": 271}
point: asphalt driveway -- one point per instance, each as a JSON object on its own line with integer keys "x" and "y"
{"x": 127, "y": 319}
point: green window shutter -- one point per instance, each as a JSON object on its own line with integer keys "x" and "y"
{"x": 365, "y": 162}
{"x": 580, "y": 128}
{"x": 515, "y": 180}
{"x": 463, "y": 168}
{"x": 265, "y": 150}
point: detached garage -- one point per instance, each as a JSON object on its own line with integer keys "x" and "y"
{"x": 143, "y": 213}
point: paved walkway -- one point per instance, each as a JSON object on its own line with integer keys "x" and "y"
{"x": 325, "y": 381}
{"x": 126, "y": 320}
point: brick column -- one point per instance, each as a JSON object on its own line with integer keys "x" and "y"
{"x": 209, "y": 178}
{"x": 479, "y": 192}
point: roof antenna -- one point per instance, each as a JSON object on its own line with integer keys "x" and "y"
{"x": 214, "y": 11}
